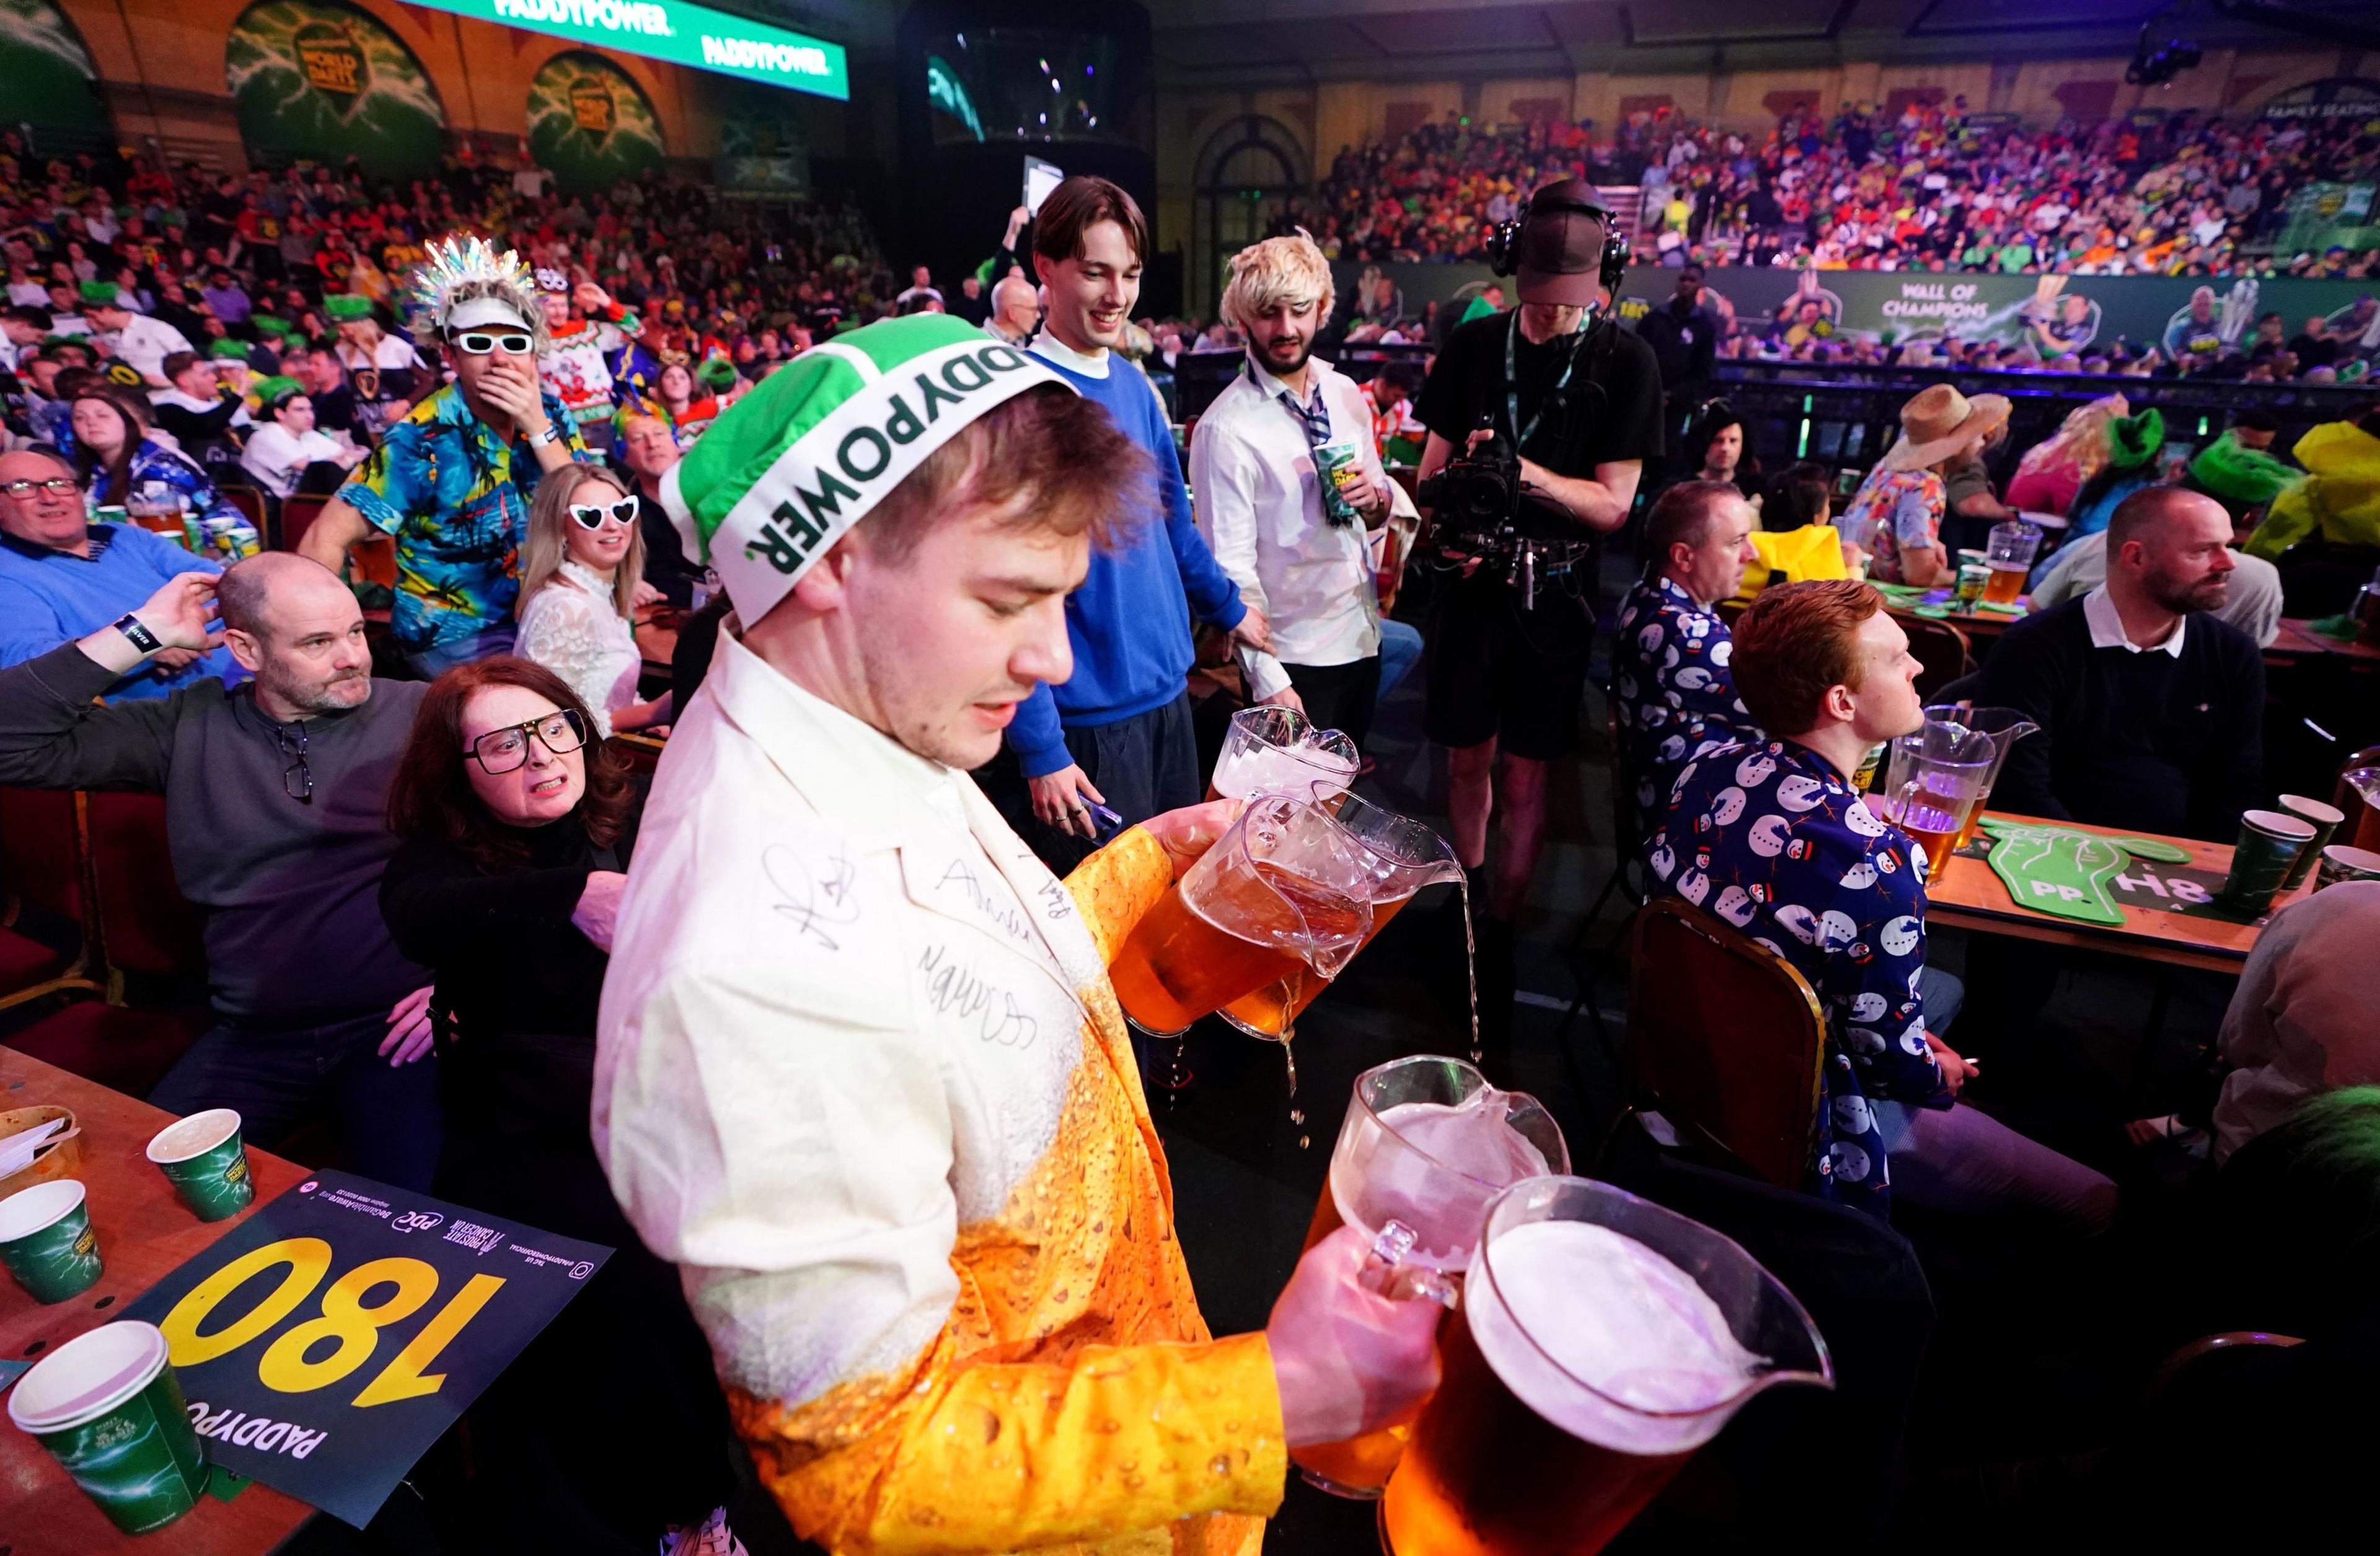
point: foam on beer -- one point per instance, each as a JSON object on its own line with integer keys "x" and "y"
{"x": 1473, "y": 1138}
{"x": 1616, "y": 1316}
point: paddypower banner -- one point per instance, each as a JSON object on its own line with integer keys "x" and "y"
{"x": 2079, "y": 315}
{"x": 685, "y": 34}
{"x": 589, "y": 124}
{"x": 320, "y": 82}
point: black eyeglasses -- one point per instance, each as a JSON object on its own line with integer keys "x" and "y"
{"x": 297, "y": 779}
{"x": 57, "y": 486}
{"x": 479, "y": 343}
{"x": 592, "y": 515}
{"x": 501, "y": 750}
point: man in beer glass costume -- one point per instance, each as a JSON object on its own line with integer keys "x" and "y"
{"x": 860, "y": 1071}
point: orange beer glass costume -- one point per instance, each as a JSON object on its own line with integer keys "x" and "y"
{"x": 861, "y": 1075}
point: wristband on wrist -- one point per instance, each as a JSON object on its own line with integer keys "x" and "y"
{"x": 148, "y": 642}
{"x": 550, "y": 434}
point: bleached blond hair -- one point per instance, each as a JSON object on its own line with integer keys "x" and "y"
{"x": 1278, "y": 270}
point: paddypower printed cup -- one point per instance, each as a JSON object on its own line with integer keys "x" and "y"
{"x": 109, "y": 1409}
{"x": 46, "y": 1240}
{"x": 204, "y": 1158}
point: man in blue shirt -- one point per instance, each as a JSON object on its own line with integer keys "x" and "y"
{"x": 1672, "y": 681}
{"x": 63, "y": 577}
{"x": 1118, "y": 732}
{"x": 1773, "y": 839}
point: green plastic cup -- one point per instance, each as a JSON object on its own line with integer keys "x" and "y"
{"x": 110, "y": 1410}
{"x": 2343, "y": 862}
{"x": 2325, "y": 819}
{"x": 2270, "y": 842}
{"x": 46, "y": 1240}
{"x": 204, "y": 1158}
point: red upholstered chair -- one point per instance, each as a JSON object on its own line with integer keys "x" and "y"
{"x": 128, "y": 1050}
{"x": 1727, "y": 1037}
{"x": 42, "y": 865}
{"x": 250, "y": 504}
{"x": 135, "y": 919}
{"x": 296, "y": 513}
{"x": 146, "y": 926}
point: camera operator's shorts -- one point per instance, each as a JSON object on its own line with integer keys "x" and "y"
{"x": 1500, "y": 672}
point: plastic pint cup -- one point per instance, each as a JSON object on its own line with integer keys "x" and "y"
{"x": 204, "y": 1158}
{"x": 109, "y": 1409}
{"x": 2270, "y": 842}
{"x": 1602, "y": 1340}
{"x": 2325, "y": 819}
{"x": 46, "y": 1240}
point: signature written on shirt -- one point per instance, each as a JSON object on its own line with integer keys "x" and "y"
{"x": 1002, "y": 911}
{"x": 815, "y": 906}
{"x": 955, "y": 990}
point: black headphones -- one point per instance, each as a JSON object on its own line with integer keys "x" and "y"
{"x": 1505, "y": 241}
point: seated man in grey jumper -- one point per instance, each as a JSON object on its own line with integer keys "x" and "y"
{"x": 276, "y": 817}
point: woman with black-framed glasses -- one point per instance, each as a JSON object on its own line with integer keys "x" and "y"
{"x": 514, "y": 828}
{"x": 582, "y": 578}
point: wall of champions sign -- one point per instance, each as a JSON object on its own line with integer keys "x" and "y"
{"x": 681, "y": 33}
{"x": 327, "y": 1341}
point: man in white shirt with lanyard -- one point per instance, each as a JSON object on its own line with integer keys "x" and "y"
{"x": 1289, "y": 534}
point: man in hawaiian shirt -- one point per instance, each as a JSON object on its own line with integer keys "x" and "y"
{"x": 452, "y": 480}
{"x": 1773, "y": 839}
{"x": 1670, "y": 682}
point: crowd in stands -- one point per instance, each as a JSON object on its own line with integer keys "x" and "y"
{"x": 1934, "y": 187}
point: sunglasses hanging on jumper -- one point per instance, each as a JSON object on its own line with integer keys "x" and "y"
{"x": 592, "y": 515}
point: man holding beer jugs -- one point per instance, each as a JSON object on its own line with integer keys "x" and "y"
{"x": 861, "y": 1073}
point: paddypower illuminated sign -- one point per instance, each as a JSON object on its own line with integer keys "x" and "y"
{"x": 685, "y": 34}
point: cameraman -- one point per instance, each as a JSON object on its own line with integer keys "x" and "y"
{"x": 1580, "y": 400}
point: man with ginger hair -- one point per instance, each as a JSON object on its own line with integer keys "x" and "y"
{"x": 861, "y": 1073}
{"x": 1286, "y": 482}
{"x": 1771, "y": 837}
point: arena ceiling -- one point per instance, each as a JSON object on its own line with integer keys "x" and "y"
{"x": 1252, "y": 40}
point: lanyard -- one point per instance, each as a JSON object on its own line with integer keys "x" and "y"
{"x": 1521, "y": 435}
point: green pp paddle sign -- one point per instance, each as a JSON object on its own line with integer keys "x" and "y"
{"x": 2066, "y": 873}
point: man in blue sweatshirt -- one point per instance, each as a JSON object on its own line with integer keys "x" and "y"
{"x": 1117, "y": 732}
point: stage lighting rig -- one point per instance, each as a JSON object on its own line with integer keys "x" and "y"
{"x": 2154, "y": 67}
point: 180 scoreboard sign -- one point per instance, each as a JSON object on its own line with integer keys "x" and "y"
{"x": 325, "y": 1344}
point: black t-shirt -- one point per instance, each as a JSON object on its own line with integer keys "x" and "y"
{"x": 1610, "y": 411}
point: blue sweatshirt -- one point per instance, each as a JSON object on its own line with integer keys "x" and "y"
{"x": 53, "y": 597}
{"x": 1130, "y": 622}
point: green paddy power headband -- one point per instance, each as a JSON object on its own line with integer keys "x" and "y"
{"x": 788, "y": 469}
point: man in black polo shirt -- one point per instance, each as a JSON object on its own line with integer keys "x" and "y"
{"x": 2151, "y": 708}
{"x": 1580, "y": 398}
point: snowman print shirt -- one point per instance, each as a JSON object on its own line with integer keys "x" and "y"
{"x": 1770, "y": 838}
{"x": 1671, "y": 687}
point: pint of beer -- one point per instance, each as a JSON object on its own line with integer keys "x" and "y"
{"x": 1286, "y": 889}
{"x": 1275, "y": 750}
{"x": 1602, "y": 1340}
{"x": 1426, "y": 1145}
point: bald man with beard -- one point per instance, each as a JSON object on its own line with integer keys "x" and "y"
{"x": 276, "y": 817}
{"x": 2151, "y": 706}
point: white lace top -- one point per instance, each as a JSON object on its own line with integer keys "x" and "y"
{"x": 569, "y": 627}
